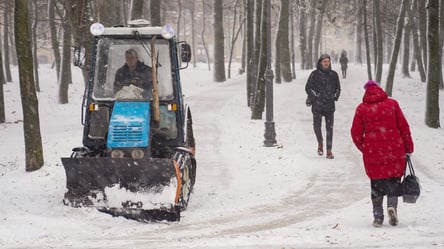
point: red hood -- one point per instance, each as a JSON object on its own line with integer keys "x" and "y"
{"x": 374, "y": 94}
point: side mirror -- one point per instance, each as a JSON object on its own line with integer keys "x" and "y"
{"x": 185, "y": 52}
{"x": 78, "y": 56}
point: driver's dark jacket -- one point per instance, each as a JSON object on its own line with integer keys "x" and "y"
{"x": 140, "y": 77}
{"x": 323, "y": 88}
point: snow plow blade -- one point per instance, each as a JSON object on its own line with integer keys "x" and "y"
{"x": 140, "y": 189}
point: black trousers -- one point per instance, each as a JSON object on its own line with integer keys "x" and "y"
{"x": 317, "y": 123}
{"x": 380, "y": 187}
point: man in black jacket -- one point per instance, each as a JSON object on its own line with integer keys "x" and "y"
{"x": 323, "y": 89}
{"x": 134, "y": 73}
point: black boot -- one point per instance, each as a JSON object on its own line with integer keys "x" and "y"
{"x": 378, "y": 211}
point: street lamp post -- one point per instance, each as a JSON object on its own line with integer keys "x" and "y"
{"x": 270, "y": 133}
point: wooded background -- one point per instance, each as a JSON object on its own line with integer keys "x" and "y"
{"x": 408, "y": 33}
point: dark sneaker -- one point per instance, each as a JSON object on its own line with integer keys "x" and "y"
{"x": 377, "y": 222}
{"x": 320, "y": 150}
{"x": 393, "y": 216}
{"x": 330, "y": 155}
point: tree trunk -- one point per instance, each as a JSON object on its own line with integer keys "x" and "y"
{"x": 396, "y": 46}
{"x": 65, "y": 67}
{"x": 251, "y": 62}
{"x": 367, "y": 45}
{"x": 54, "y": 38}
{"x": 193, "y": 36}
{"x": 257, "y": 44}
{"x": 235, "y": 35}
{"x": 2, "y": 97}
{"x": 155, "y": 13}
{"x": 33, "y": 20}
{"x": 406, "y": 45}
{"x": 358, "y": 33}
{"x": 179, "y": 18}
{"x": 136, "y": 9}
{"x": 277, "y": 58}
{"x": 310, "y": 35}
{"x": 219, "y": 61}
{"x": 441, "y": 37}
{"x": 202, "y": 33}
{"x": 259, "y": 96}
{"x": 303, "y": 34}
{"x": 284, "y": 47}
{"x": 293, "y": 62}
{"x": 379, "y": 44}
{"x": 434, "y": 68}
{"x": 423, "y": 30}
{"x": 319, "y": 24}
{"x": 416, "y": 47}
{"x": 31, "y": 123}
{"x": 80, "y": 22}
{"x": 109, "y": 13}
{"x": 6, "y": 50}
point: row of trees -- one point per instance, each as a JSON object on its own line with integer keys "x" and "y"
{"x": 385, "y": 30}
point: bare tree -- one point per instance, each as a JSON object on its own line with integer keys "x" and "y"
{"x": 202, "y": 34}
{"x": 179, "y": 18}
{"x": 234, "y": 36}
{"x": 54, "y": 38}
{"x": 379, "y": 45}
{"x": 6, "y": 50}
{"x": 310, "y": 35}
{"x": 219, "y": 62}
{"x": 31, "y": 123}
{"x": 367, "y": 45}
{"x": 155, "y": 12}
{"x": 406, "y": 43}
{"x": 65, "y": 66}
{"x": 193, "y": 31}
{"x": 33, "y": 22}
{"x": 109, "y": 13}
{"x": 422, "y": 27}
{"x": 81, "y": 21}
{"x": 303, "y": 33}
{"x": 136, "y": 9}
{"x": 397, "y": 44}
{"x": 282, "y": 44}
{"x": 358, "y": 33}
{"x": 417, "y": 49}
{"x": 2, "y": 97}
{"x": 318, "y": 31}
{"x": 434, "y": 65}
{"x": 258, "y": 105}
{"x": 293, "y": 62}
{"x": 251, "y": 62}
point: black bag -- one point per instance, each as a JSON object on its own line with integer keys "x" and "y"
{"x": 411, "y": 188}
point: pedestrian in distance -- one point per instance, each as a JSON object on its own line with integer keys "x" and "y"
{"x": 343, "y": 60}
{"x": 323, "y": 89}
{"x": 382, "y": 134}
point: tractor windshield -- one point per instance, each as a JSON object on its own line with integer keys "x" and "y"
{"x": 124, "y": 70}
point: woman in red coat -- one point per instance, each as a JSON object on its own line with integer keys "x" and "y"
{"x": 381, "y": 132}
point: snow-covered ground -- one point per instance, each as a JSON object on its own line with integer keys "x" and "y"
{"x": 246, "y": 195}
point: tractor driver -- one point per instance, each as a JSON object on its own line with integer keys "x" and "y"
{"x": 135, "y": 73}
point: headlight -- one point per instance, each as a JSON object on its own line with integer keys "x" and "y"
{"x": 167, "y": 32}
{"x": 137, "y": 154}
{"x": 117, "y": 154}
{"x": 96, "y": 29}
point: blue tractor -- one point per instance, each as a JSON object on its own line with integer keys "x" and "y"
{"x": 137, "y": 158}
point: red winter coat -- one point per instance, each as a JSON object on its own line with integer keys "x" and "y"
{"x": 381, "y": 132}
